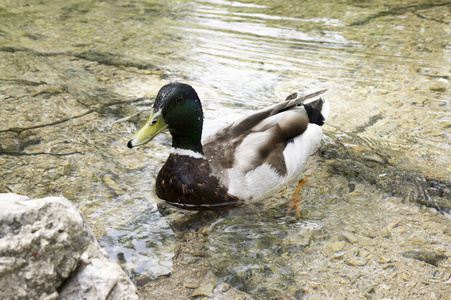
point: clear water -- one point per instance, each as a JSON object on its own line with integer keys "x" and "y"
{"x": 79, "y": 76}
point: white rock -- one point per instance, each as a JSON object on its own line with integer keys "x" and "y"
{"x": 47, "y": 251}
{"x": 99, "y": 280}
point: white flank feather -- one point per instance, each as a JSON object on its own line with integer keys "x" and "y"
{"x": 254, "y": 184}
{"x": 248, "y": 149}
{"x": 264, "y": 180}
{"x": 298, "y": 151}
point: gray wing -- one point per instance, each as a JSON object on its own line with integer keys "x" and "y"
{"x": 280, "y": 122}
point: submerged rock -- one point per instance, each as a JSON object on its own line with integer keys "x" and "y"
{"x": 47, "y": 251}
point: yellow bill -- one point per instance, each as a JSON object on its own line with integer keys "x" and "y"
{"x": 151, "y": 129}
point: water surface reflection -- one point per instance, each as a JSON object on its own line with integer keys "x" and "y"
{"x": 78, "y": 77}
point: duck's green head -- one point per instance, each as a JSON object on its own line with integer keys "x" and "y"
{"x": 178, "y": 108}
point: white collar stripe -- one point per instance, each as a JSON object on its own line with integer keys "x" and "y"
{"x": 190, "y": 153}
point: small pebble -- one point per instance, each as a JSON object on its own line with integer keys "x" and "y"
{"x": 191, "y": 284}
{"x": 223, "y": 287}
{"x": 205, "y": 289}
{"x": 385, "y": 232}
{"x": 338, "y": 254}
{"x": 334, "y": 246}
{"x": 188, "y": 260}
{"x": 356, "y": 261}
{"x": 364, "y": 253}
{"x": 359, "y": 190}
{"x": 383, "y": 260}
{"x": 350, "y": 237}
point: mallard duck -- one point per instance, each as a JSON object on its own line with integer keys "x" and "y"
{"x": 245, "y": 161}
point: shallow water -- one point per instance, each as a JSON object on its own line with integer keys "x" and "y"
{"x": 78, "y": 77}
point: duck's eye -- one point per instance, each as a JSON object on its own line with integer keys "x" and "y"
{"x": 179, "y": 100}
{"x": 154, "y": 121}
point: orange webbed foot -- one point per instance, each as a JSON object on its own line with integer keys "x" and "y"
{"x": 295, "y": 201}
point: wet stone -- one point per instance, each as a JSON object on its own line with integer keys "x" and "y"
{"x": 364, "y": 253}
{"x": 205, "y": 289}
{"x": 223, "y": 287}
{"x": 350, "y": 237}
{"x": 386, "y": 232}
{"x": 356, "y": 261}
{"x": 300, "y": 238}
{"x": 29, "y": 138}
{"x": 448, "y": 230}
{"x": 191, "y": 283}
{"x": 432, "y": 258}
{"x": 417, "y": 240}
{"x": 435, "y": 227}
{"x": 384, "y": 260}
{"x": 143, "y": 279}
{"x": 338, "y": 254}
{"x": 334, "y": 246}
{"x": 357, "y": 189}
{"x": 188, "y": 260}
{"x": 9, "y": 142}
{"x": 370, "y": 232}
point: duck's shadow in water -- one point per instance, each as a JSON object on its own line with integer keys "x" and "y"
{"x": 181, "y": 220}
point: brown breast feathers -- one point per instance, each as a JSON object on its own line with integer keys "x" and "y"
{"x": 186, "y": 182}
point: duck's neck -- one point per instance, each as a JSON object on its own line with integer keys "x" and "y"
{"x": 188, "y": 140}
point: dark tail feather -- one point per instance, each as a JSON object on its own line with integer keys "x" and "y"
{"x": 314, "y": 109}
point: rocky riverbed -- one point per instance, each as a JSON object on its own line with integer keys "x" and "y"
{"x": 78, "y": 78}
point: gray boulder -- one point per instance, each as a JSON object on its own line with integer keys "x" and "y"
{"x": 47, "y": 251}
